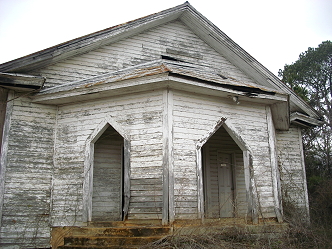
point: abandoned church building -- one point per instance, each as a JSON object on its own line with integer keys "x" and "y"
{"x": 163, "y": 118}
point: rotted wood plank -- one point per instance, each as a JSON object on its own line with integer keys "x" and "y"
{"x": 21, "y": 81}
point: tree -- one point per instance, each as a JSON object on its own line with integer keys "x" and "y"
{"x": 311, "y": 78}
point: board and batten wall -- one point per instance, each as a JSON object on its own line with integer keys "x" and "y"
{"x": 292, "y": 170}
{"x": 27, "y": 173}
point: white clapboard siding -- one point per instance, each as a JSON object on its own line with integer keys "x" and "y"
{"x": 292, "y": 169}
{"x": 139, "y": 114}
{"x": 26, "y": 200}
{"x": 195, "y": 115}
{"x": 147, "y": 46}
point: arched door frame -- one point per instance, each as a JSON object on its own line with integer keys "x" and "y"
{"x": 251, "y": 191}
{"x": 88, "y": 166}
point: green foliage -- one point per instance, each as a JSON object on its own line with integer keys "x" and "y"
{"x": 311, "y": 78}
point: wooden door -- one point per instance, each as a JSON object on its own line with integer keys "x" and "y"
{"x": 225, "y": 183}
{"x": 107, "y": 177}
{"x": 218, "y": 184}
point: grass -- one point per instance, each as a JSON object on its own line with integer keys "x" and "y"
{"x": 298, "y": 235}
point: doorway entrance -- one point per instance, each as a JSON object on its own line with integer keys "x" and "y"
{"x": 223, "y": 177}
{"x": 107, "y": 193}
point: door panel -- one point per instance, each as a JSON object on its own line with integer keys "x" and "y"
{"x": 225, "y": 181}
{"x": 107, "y": 177}
{"x": 218, "y": 184}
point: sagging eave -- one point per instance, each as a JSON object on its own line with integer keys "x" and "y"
{"x": 21, "y": 82}
{"x": 143, "y": 82}
{"x": 171, "y": 81}
{"x": 304, "y": 121}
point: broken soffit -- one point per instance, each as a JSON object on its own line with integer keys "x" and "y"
{"x": 185, "y": 74}
{"x": 21, "y": 82}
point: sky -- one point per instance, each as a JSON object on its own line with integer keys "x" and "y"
{"x": 274, "y": 32}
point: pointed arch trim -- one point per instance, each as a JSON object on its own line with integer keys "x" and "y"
{"x": 248, "y": 167}
{"x": 88, "y": 165}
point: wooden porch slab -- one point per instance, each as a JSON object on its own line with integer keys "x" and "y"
{"x": 137, "y": 233}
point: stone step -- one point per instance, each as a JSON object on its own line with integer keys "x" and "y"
{"x": 120, "y": 231}
{"x": 109, "y": 241}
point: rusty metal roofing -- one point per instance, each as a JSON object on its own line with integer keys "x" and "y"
{"x": 186, "y": 70}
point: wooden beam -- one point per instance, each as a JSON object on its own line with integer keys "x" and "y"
{"x": 274, "y": 165}
{"x": 4, "y": 149}
{"x": 3, "y": 104}
{"x": 305, "y": 188}
{"x": 168, "y": 211}
{"x": 251, "y": 190}
{"x": 200, "y": 184}
{"x": 126, "y": 178}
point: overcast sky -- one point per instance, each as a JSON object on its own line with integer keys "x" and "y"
{"x": 274, "y": 32}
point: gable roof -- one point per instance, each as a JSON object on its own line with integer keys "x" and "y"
{"x": 201, "y": 26}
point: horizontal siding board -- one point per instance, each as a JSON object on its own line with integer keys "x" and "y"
{"x": 291, "y": 165}
{"x": 28, "y": 175}
{"x": 139, "y": 113}
{"x": 141, "y": 48}
{"x": 195, "y": 115}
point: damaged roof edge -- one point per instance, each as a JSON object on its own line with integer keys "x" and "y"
{"x": 21, "y": 81}
{"x": 178, "y": 69}
{"x": 304, "y": 120}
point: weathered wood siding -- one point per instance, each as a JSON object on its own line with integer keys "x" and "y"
{"x": 26, "y": 200}
{"x": 194, "y": 116}
{"x": 47, "y": 145}
{"x": 147, "y": 46}
{"x": 292, "y": 171}
{"x": 141, "y": 114}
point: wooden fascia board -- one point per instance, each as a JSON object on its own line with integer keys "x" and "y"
{"x": 146, "y": 83}
{"x": 21, "y": 81}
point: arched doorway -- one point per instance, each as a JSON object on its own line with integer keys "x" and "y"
{"x": 223, "y": 177}
{"x": 108, "y": 163}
